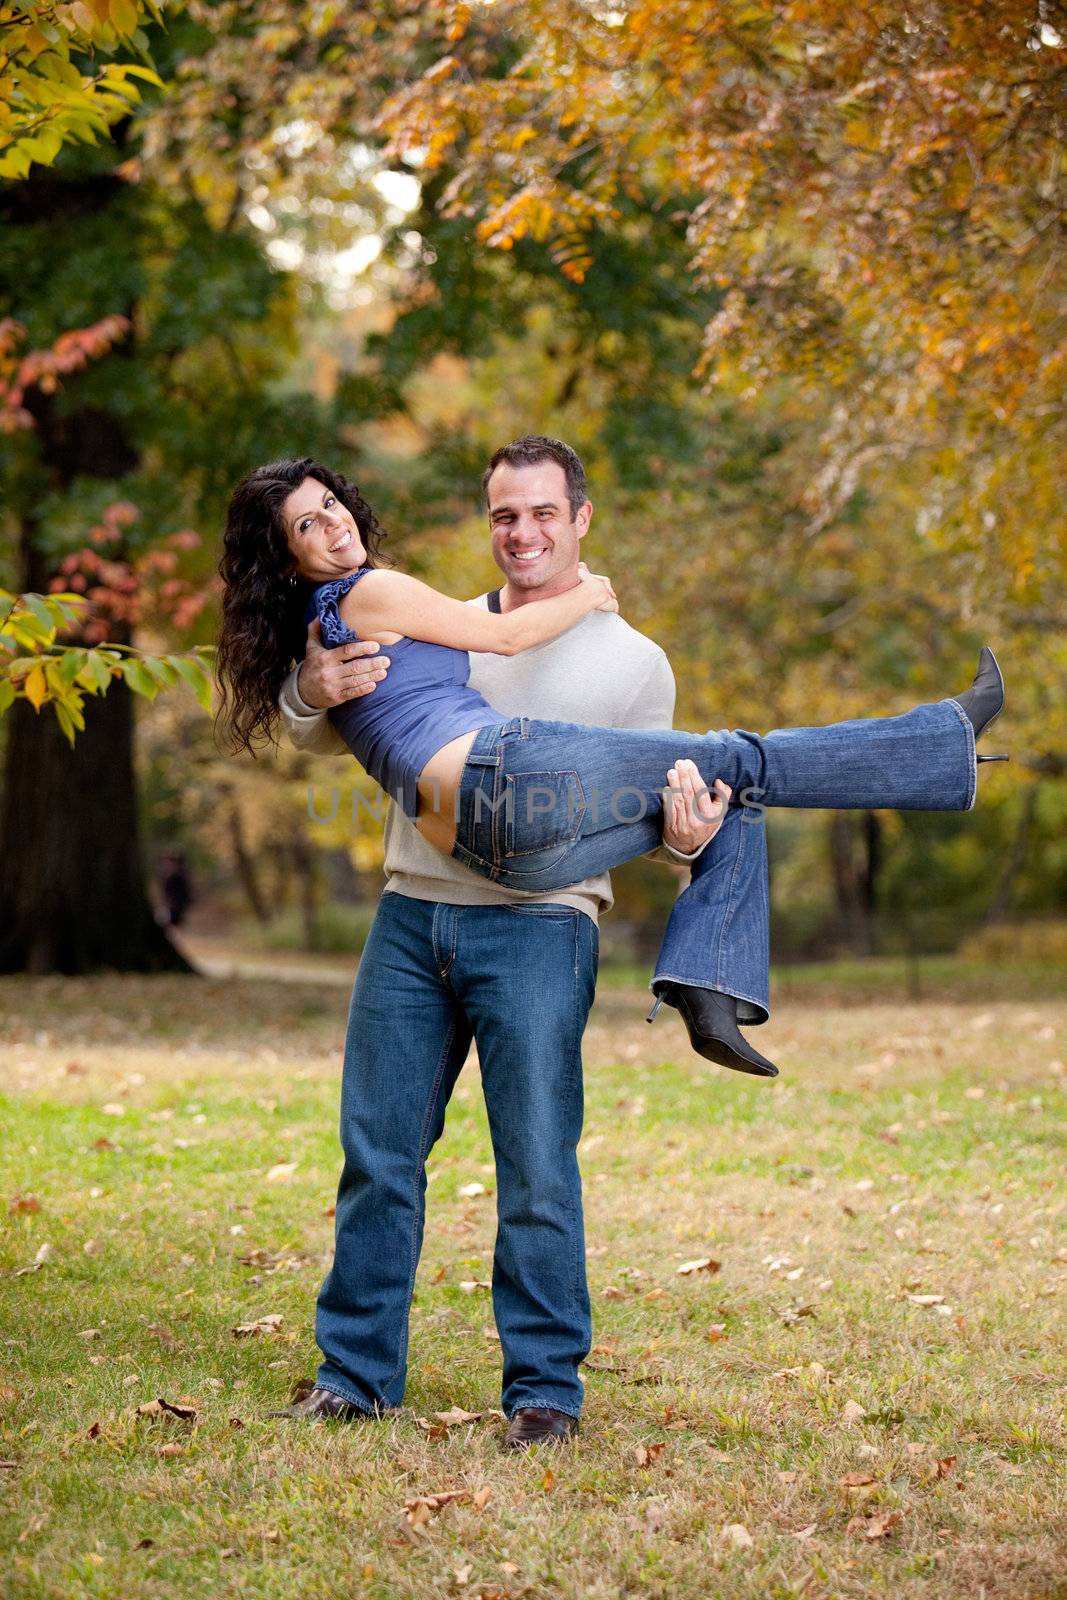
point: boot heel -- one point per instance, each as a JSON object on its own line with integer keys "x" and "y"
{"x": 652, "y": 1014}
{"x": 992, "y": 758}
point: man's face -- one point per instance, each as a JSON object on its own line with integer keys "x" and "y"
{"x": 535, "y": 538}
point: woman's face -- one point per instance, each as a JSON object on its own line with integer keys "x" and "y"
{"x": 322, "y": 533}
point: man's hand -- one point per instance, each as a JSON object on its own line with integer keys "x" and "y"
{"x": 692, "y": 814}
{"x": 329, "y": 677}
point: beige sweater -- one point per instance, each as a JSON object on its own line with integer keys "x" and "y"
{"x": 601, "y": 671}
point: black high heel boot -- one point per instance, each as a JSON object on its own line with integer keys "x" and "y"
{"x": 711, "y": 1019}
{"x": 983, "y": 702}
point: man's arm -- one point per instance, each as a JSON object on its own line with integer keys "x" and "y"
{"x": 323, "y": 679}
{"x": 686, "y": 825}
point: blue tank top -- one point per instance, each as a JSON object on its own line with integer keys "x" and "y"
{"x": 423, "y": 701}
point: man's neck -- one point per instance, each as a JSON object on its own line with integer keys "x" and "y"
{"x": 511, "y": 598}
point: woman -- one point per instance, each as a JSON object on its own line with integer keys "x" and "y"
{"x": 535, "y": 805}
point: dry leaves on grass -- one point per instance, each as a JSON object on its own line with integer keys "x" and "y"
{"x": 646, "y": 1455}
{"x": 184, "y": 1408}
{"x": 41, "y": 1259}
{"x": 793, "y": 1314}
{"x": 267, "y": 1325}
{"x": 879, "y": 1526}
{"x": 23, "y": 1204}
{"x": 281, "y": 1172}
{"x": 736, "y": 1534}
{"x": 701, "y": 1264}
{"x": 437, "y": 1425}
{"x": 422, "y": 1507}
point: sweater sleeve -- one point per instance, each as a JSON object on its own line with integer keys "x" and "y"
{"x": 306, "y": 728}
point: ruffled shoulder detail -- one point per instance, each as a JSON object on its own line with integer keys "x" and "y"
{"x": 327, "y": 599}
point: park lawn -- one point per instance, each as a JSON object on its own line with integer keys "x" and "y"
{"x": 863, "y": 1397}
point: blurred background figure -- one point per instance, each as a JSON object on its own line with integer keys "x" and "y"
{"x": 176, "y": 887}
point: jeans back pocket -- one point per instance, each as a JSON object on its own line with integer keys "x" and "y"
{"x": 542, "y": 811}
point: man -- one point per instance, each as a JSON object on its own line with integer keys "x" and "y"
{"x": 451, "y": 958}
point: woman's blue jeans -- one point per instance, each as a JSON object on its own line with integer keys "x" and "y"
{"x": 545, "y": 804}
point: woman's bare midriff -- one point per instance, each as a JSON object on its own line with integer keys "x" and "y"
{"x": 438, "y": 788}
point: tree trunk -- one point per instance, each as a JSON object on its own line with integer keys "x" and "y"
{"x": 855, "y": 859}
{"x": 73, "y": 894}
{"x": 1015, "y": 857}
{"x": 246, "y": 867}
{"x": 72, "y": 886}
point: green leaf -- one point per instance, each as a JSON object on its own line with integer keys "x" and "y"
{"x": 63, "y": 717}
{"x": 7, "y": 694}
{"x": 161, "y": 669}
{"x": 71, "y": 663}
{"x": 196, "y": 676}
{"x": 139, "y": 679}
{"x": 96, "y": 674}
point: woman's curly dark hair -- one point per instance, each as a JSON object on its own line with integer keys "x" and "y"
{"x": 263, "y": 628}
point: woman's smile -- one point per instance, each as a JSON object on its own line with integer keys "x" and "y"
{"x": 322, "y": 533}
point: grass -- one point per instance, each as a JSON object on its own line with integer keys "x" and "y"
{"x": 909, "y": 1149}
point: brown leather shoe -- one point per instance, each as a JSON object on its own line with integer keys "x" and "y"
{"x": 323, "y": 1403}
{"x": 538, "y": 1425}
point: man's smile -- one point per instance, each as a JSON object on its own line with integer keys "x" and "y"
{"x": 528, "y": 555}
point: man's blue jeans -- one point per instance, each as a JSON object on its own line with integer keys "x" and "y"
{"x": 520, "y": 981}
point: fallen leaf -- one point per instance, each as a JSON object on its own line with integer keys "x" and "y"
{"x": 281, "y": 1171}
{"x": 161, "y": 1407}
{"x": 646, "y": 1454}
{"x": 876, "y": 1527}
{"x": 926, "y": 1299}
{"x": 469, "y": 1285}
{"x": 113, "y": 1109}
{"x": 23, "y": 1204}
{"x": 716, "y": 1332}
{"x": 701, "y": 1264}
{"x": 655, "y": 1514}
{"x": 456, "y": 1415}
{"x": 422, "y": 1507}
{"x": 164, "y": 1335}
{"x": 737, "y": 1534}
{"x": 612, "y": 1293}
{"x": 268, "y": 1324}
{"x": 171, "y": 1449}
{"x": 793, "y": 1314}
{"x": 944, "y": 1466}
{"x": 787, "y": 1477}
{"x": 462, "y": 1575}
{"x": 481, "y": 1497}
{"x": 856, "y": 1480}
{"x": 805, "y": 1532}
{"x": 549, "y": 1479}
{"x": 852, "y": 1412}
{"x": 471, "y": 1191}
